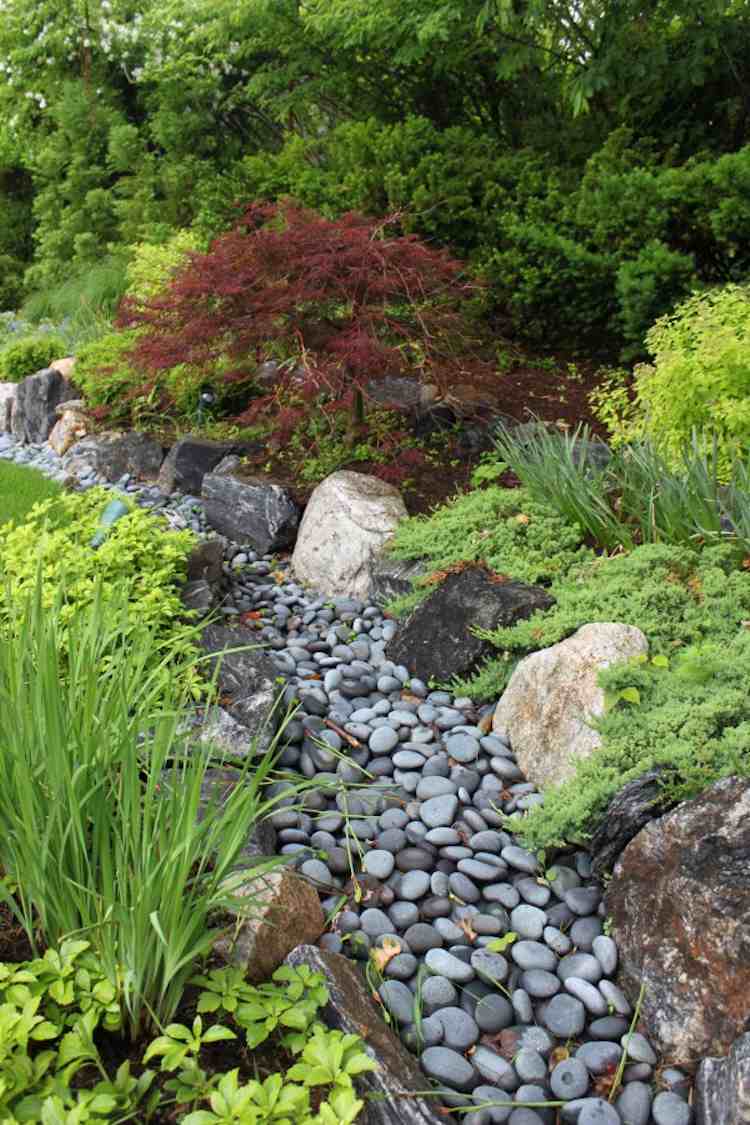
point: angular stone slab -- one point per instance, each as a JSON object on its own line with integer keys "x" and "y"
{"x": 679, "y": 900}
{"x": 390, "y": 1091}
{"x": 256, "y": 512}
{"x": 722, "y": 1087}
{"x": 437, "y": 640}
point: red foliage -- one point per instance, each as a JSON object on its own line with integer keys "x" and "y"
{"x": 350, "y": 301}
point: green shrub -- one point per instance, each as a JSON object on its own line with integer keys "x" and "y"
{"x": 649, "y": 285}
{"x": 140, "y": 556}
{"x": 30, "y": 354}
{"x": 699, "y": 378}
{"x": 152, "y": 264}
{"x": 504, "y": 528}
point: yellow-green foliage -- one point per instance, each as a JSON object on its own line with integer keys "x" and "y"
{"x": 153, "y": 264}
{"x": 30, "y": 354}
{"x": 139, "y": 555}
{"x": 699, "y": 378}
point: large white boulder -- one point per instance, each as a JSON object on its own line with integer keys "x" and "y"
{"x": 348, "y": 520}
{"x": 552, "y": 696}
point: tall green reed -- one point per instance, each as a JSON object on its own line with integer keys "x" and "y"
{"x": 109, "y": 825}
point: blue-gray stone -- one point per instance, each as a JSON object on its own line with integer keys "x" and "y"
{"x": 398, "y": 1000}
{"x": 438, "y": 812}
{"x": 588, "y": 994}
{"x": 605, "y": 951}
{"x": 383, "y": 740}
{"x": 581, "y": 965}
{"x": 489, "y": 967}
{"x": 528, "y": 921}
{"x": 438, "y": 992}
{"x": 414, "y": 885}
{"x": 445, "y": 1065}
{"x": 530, "y": 1066}
{"x": 462, "y": 747}
{"x": 638, "y": 1048}
{"x": 598, "y": 1058}
{"x": 460, "y": 1031}
{"x": 533, "y": 955}
{"x": 494, "y": 1068}
{"x": 595, "y": 1111}
{"x": 493, "y": 1013}
{"x": 634, "y": 1103}
{"x": 379, "y": 863}
{"x": 540, "y": 984}
{"x": 569, "y": 1079}
{"x": 444, "y": 964}
{"x": 565, "y": 1016}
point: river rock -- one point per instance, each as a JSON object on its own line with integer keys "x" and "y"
{"x": 348, "y": 520}
{"x": 679, "y": 900}
{"x": 250, "y": 511}
{"x": 543, "y": 711}
{"x": 116, "y": 454}
{"x": 395, "y": 1085}
{"x": 437, "y": 640}
{"x": 722, "y": 1087}
{"x": 36, "y": 398}
{"x": 187, "y": 463}
{"x": 247, "y": 679}
{"x": 283, "y": 912}
{"x": 7, "y": 406}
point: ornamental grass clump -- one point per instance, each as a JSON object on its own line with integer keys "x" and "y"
{"x": 109, "y": 827}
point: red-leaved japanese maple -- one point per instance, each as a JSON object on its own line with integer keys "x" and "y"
{"x": 348, "y": 300}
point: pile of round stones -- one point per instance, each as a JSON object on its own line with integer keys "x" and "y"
{"x": 402, "y": 834}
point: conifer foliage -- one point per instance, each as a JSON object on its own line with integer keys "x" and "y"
{"x": 347, "y": 300}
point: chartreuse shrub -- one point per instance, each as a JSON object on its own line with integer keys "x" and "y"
{"x": 698, "y": 379}
{"x": 20, "y": 489}
{"x": 140, "y": 560}
{"x": 504, "y": 528}
{"x": 60, "y": 1013}
{"x": 30, "y": 354}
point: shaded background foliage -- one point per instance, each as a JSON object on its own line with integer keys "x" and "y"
{"x": 591, "y": 160}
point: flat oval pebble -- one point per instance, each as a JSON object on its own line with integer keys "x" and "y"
{"x": 444, "y": 964}
{"x": 379, "y": 863}
{"x": 634, "y": 1103}
{"x": 383, "y": 740}
{"x": 489, "y": 967}
{"x": 670, "y": 1109}
{"x": 599, "y": 1058}
{"x": 439, "y": 812}
{"x": 528, "y": 921}
{"x": 588, "y": 994}
{"x": 445, "y": 1065}
{"x": 413, "y": 885}
{"x": 533, "y": 955}
{"x": 438, "y": 992}
{"x": 460, "y": 1031}
{"x": 638, "y": 1048}
{"x": 565, "y": 1016}
{"x": 462, "y": 747}
{"x": 398, "y": 999}
{"x": 595, "y": 1111}
{"x": 494, "y": 1068}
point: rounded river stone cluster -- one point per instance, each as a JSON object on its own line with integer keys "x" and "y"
{"x": 497, "y": 973}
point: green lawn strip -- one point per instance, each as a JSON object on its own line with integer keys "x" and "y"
{"x": 20, "y": 489}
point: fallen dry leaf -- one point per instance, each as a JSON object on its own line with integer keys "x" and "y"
{"x": 387, "y": 951}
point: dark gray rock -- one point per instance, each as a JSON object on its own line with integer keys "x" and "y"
{"x": 391, "y": 578}
{"x": 628, "y": 812}
{"x": 390, "y": 1091}
{"x": 722, "y": 1087}
{"x": 250, "y": 511}
{"x": 187, "y": 463}
{"x": 115, "y": 455}
{"x": 198, "y": 596}
{"x": 437, "y": 642}
{"x": 36, "y": 399}
{"x": 679, "y": 899}
{"x": 204, "y": 561}
{"x": 247, "y": 678}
